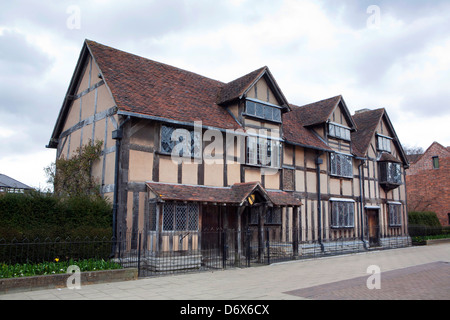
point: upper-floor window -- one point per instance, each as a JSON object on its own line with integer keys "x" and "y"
{"x": 338, "y": 131}
{"x": 262, "y": 111}
{"x": 341, "y": 165}
{"x": 390, "y": 173}
{"x": 435, "y": 162}
{"x": 180, "y": 142}
{"x": 262, "y": 151}
{"x": 384, "y": 143}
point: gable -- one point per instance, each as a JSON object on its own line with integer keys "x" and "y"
{"x": 373, "y": 124}
{"x": 326, "y": 110}
{"x": 340, "y": 115}
{"x": 261, "y": 91}
{"x": 254, "y": 85}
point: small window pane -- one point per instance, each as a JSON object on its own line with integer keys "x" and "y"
{"x": 347, "y": 134}
{"x": 268, "y": 114}
{"x": 276, "y": 114}
{"x": 332, "y": 130}
{"x": 252, "y": 150}
{"x": 250, "y": 107}
{"x": 259, "y": 110}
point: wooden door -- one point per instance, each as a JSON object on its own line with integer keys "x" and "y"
{"x": 373, "y": 227}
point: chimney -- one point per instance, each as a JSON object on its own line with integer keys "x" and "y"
{"x": 361, "y": 110}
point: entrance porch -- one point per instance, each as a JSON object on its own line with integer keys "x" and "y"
{"x": 190, "y": 227}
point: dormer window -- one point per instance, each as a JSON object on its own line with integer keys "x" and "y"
{"x": 338, "y": 131}
{"x": 384, "y": 143}
{"x": 262, "y": 111}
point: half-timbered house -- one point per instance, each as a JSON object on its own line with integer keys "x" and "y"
{"x": 184, "y": 155}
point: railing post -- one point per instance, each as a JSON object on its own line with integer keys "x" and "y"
{"x": 268, "y": 246}
{"x": 139, "y": 255}
{"x": 247, "y": 238}
{"x": 224, "y": 249}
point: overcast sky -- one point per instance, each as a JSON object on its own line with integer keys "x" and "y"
{"x": 391, "y": 54}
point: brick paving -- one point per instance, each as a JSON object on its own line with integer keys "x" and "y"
{"x": 429, "y": 281}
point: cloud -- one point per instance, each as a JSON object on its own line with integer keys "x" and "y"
{"x": 315, "y": 50}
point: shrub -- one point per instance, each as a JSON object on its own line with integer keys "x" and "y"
{"x": 423, "y": 224}
{"x": 426, "y": 218}
{"x": 40, "y": 215}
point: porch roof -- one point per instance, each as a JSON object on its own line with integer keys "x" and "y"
{"x": 236, "y": 194}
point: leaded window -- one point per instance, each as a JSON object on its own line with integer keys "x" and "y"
{"x": 180, "y": 142}
{"x": 391, "y": 173}
{"x": 262, "y": 111}
{"x": 263, "y": 151}
{"x": 341, "y": 165}
{"x": 384, "y": 143}
{"x": 180, "y": 217}
{"x": 339, "y": 131}
{"x": 395, "y": 217}
{"x": 342, "y": 214}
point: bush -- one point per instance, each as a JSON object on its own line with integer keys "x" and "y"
{"x": 426, "y": 218}
{"x": 40, "y": 215}
{"x": 423, "y": 224}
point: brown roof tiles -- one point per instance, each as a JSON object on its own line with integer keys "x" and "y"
{"x": 234, "y": 195}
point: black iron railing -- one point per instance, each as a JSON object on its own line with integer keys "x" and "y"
{"x": 180, "y": 252}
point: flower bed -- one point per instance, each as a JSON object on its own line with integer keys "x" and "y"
{"x": 54, "y": 267}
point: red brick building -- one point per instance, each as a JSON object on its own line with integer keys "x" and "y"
{"x": 428, "y": 182}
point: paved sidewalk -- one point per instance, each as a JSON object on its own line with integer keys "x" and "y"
{"x": 338, "y": 277}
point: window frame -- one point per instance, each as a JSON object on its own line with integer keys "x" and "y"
{"x": 339, "y": 160}
{"x": 384, "y": 143}
{"x": 394, "y": 214}
{"x": 174, "y": 218}
{"x": 385, "y": 173}
{"x": 435, "y": 162}
{"x": 332, "y": 131}
{"x": 348, "y": 220}
{"x": 263, "y": 151}
{"x": 195, "y": 151}
{"x": 264, "y": 109}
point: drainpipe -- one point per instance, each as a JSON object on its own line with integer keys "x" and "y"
{"x": 319, "y": 161}
{"x": 362, "y": 199}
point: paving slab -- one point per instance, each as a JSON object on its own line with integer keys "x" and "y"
{"x": 345, "y": 277}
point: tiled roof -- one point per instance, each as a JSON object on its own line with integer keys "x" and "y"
{"x": 147, "y": 87}
{"x": 156, "y": 90}
{"x": 234, "y": 195}
{"x": 317, "y": 112}
{"x": 236, "y": 88}
{"x": 295, "y": 133}
{"x": 388, "y": 157}
{"x": 366, "y": 123}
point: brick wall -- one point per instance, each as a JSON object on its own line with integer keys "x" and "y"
{"x": 426, "y": 161}
{"x": 428, "y": 189}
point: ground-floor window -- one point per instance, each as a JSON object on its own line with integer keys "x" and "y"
{"x": 180, "y": 216}
{"x": 342, "y": 213}
{"x": 395, "y": 214}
